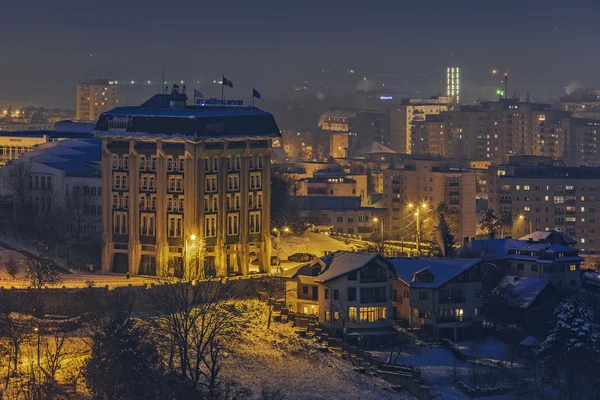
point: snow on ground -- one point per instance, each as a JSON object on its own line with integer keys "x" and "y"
{"x": 309, "y": 242}
{"x": 452, "y": 393}
{"x": 279, "y": 359}
{"x": 489, "y": 348}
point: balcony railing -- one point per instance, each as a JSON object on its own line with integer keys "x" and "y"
{"x": 454, "y": 300}
{"x": 367, "y": 300}
{"x": 453, "y": 319}
{"x": 307, "y": 297}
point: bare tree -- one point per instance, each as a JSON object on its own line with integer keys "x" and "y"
{"x": 18, "y": 182}
{"x": 192, "y": 321}
{"x": 273, "y": 289}
{"x": 42, "y": 272}
{"x": 16, "y": 325}
{"x": 54, "y": 352}
{"x": 11, "y": 266}
{"x": 76, "y": 204}
{"x": 194, "y": 260}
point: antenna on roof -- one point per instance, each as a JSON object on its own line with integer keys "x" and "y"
{"x": 163, "y": 79}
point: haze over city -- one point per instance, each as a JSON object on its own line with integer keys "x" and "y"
{"x": 299, "y": 200}
{"x": 276, "y": 45}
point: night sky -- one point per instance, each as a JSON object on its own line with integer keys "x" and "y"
{"x": 46, "y": 47}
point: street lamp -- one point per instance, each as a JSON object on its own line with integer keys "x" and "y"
{"x": 528, "y": 219}
{"x": 377, "y": 220}
{"x": 185, "y": 260}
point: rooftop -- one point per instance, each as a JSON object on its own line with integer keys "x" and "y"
{"x": 521, "y": 291}
{"x": 343, "y": 262}
{"x": 181, "y": 122}
{"x": 443, "y": 270}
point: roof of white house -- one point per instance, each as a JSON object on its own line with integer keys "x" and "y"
{"x": 549, "y": 236}
{"x": 442, "y": 270}
{"x": 343, "y": 262}
{"x": 374, "y": 147}
{"x": 523, "y": 291}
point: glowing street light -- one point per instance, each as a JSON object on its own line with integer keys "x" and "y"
{"x": 522, "y": 217}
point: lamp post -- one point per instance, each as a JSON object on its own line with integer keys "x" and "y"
{"x": 376, "y": 220}
{"x": 185, "y": 260}
{"x": 417, "y": 215}
{"x": 528, "y": 219}
{"x": 37, "y": 330}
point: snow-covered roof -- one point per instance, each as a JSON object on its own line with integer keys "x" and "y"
{"x": 549, "y": 236}
{"x": 302, "y": 269}
{"x": 375, "y": 147}
{"x": 529, "y": 341}
{"x": 187, "y": 123}
{"x": 442, "y": 270}
{"x": 343, "y": 262}
{"x": 523, "y": 291}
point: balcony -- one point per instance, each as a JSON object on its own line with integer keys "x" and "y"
{"x": 454, "y": 300}
{"x": 369, "y": 300}
{"x": 505, "y": 201}
{"x": 307, "y": 297}
{"x": 453, "y": 319}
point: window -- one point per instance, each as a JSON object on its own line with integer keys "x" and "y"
{"x": 120, "y": 223}
{"x": 372, "y": 314}
{"x": 255, "y": 222}
{"x": 175, "y": 227}
{"x": 255, "y": 181}
{"x": 423, "y": 295}
{"x": 534, "y": 267}
{"x": 476, "y": 311}
{"x": 573, "y": 267}
{"x": 326, "y": 294}
{"x": 351, "y": 294}
{"x": 425, "y": 314}
{"x": 147, "y": 225}
{"x": 233, "y": 182}
{"x": 520, "y": 267}
{"x": 210, "y": 183}
{"x": 210, "y": 225}
{"x": 340, "y": 219}
{"x": 351, "y": 312}
{"x": 232, "y": 224}
{"x": 352, "y": 276}
{"x": 336, "y": 294}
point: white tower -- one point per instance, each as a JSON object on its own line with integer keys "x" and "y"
{"x": 453, "y": 83}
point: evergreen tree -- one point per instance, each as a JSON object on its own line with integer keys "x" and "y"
{"x": 572, "y": 347}
{"x": 283, "y": 206}
{"x": 489, "y": 223}
{"x": 445, "y": 238}
{"x": 122, "y": 365}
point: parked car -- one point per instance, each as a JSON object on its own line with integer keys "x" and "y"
{"x": 301, "y": 257}
{"x": 275, "y": 261}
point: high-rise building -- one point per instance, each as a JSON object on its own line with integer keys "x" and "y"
{"x": 178, "y": 177}
{"x": 542, "y": 194}
{"x": 421, "y": 181}
{"x": 453, "y": 83}
{"x": 411, "y": 111}
{"x": 95, "y": 96}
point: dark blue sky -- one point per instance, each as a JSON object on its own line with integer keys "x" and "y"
{"x": 45, "y": 47}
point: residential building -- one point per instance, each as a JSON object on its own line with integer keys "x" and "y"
{"x": 95, "y": 96}
{"x": 441, "y": 296}
{"x": 584, "y": 140}
{"x": 25, "y": 126}
{"x": 543, "y": 195}
{"x": 366, "y": 127}
{"x": 344, "y": 215}
{"x": 419, "y": 182}
{"x": 56, "y": 170}
{"x": 334, "y": 182}
{"x": 403, "y": 117}
{"x": 547, "y": 255}
{"x": 350, "y": 292}
{"x": 176, "y": 174}
{"x": 526, "y": 302}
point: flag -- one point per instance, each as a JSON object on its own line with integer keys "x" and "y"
{"x": 198, "y": 94}
{"x": 227, "y": 82}
{"x": 255, "y": 93}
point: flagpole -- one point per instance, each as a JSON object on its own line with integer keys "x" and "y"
{"x": 222, "y": 90}
{"x": 253, "y": 97}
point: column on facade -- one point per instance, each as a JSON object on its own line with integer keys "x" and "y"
{"x": 162, "y": 243}
{"x": 133, "y": 178}
{"x": 107, "y": 233}
{"x": 220, "y": 249}
{"x": 242, "y": 248}
{"x": 265, "y": 212}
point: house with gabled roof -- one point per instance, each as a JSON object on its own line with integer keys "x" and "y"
{"x": 350, "y": 292}
{"x": 545, "y": 255}
{"x": 441, "y": 296}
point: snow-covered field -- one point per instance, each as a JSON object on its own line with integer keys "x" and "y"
{"x": 489, "y": 348}
{"x": 313, "y": 243}
{"x": 279, "y": 359}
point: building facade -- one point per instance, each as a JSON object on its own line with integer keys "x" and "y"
{"x": 95, "y": 96}
{"x": 428, "y": 182}
{"x": 180, "y": 177}
{"x": 443, "y": 297}
{"x": 543, "y": 195}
